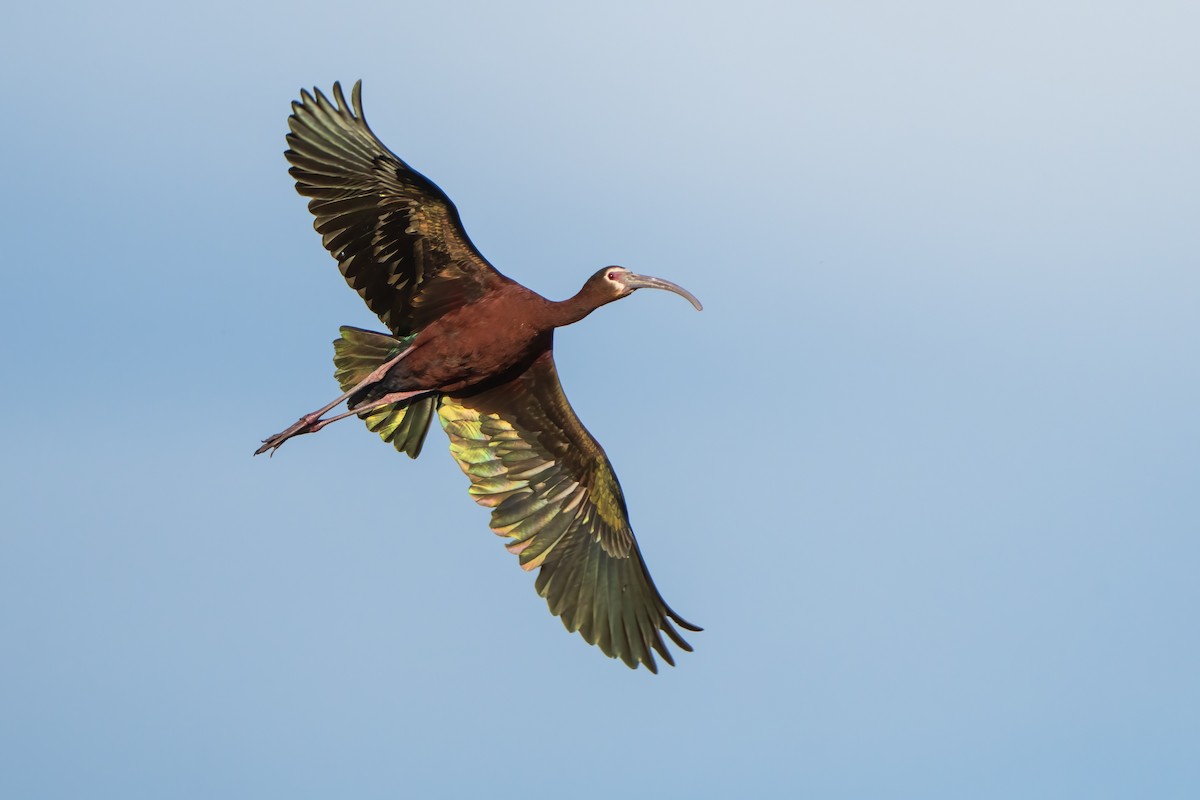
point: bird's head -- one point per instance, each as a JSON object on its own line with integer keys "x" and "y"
{"x": 613, "y": 283}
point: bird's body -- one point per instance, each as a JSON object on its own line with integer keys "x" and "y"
{"x": 474, "y": 348}
{"x": 486, "y": 339}
{"x": 477, "y": 341}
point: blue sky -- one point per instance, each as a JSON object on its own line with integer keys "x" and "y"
{"x": 925, "y": 468}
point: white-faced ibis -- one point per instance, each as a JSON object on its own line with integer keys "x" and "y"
{"x": 474, "y": 348}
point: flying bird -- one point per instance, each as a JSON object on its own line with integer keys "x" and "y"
{"x": 474, "y": 348}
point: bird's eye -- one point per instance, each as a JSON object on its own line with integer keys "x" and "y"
{"x": 612, "y": 276}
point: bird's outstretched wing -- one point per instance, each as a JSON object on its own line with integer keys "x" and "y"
{"x": 396, "y": 236}
{"x": 555, "y": 497}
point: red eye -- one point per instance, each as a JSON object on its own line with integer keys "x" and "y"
{"x": 612, "y": 276}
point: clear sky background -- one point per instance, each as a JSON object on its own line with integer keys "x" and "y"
{"x": 926, "y": 467}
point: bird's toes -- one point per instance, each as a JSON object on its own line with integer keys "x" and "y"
{"x": 272, "y": 443}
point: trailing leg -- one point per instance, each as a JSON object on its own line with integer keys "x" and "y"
{"x": 312, "y": 422}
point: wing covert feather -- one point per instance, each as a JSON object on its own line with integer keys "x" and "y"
{"x": 554, "y": 495}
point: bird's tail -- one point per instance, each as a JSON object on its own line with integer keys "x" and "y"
{"x": 355, "y": 355}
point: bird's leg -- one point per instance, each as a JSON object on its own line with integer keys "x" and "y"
{"x": 311, "y": 423}
{"x": 308, "y": 423}
{"x": 386, "y": 400}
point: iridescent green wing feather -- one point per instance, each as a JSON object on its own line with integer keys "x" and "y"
{"x": 396, "y": 236}
{"x": 355, "y": 355}
{"x": 554, "y": 495}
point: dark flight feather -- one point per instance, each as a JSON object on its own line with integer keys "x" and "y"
{"x": 396, "y": 236}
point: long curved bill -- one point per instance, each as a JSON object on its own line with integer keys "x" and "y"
{"x": 635, "y": 281}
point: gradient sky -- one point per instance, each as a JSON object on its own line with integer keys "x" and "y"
{"x": 926, "y": 467}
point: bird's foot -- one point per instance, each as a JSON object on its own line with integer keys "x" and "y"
{"x": 309, "y": 423}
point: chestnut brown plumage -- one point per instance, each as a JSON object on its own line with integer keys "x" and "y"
{"x": 474, "y": 347}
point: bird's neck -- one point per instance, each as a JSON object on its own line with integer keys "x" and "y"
{"x": 565, "y": 312}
